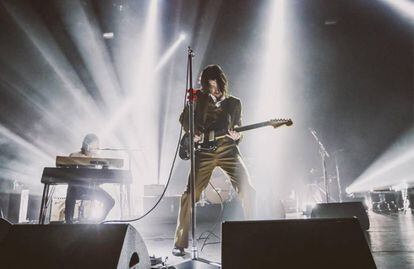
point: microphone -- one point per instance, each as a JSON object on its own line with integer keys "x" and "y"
{"x": 313, "y": 132}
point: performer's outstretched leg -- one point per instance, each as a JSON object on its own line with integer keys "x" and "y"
{"x": 204, "y": 167}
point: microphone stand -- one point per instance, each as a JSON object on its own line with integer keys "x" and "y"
{"x": 324, "y": 154}
{"x": 191, "y": 101}
{"x": 195, "y": 261}
{"x": 338, "y": 179}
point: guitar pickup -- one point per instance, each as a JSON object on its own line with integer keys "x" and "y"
{"x": 211, "y": 136}
{"x": 208, "y": 137}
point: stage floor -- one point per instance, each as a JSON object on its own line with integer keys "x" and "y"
{"x": 391, "y": 238}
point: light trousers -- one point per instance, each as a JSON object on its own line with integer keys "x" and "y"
{"x": 228, "y": 158}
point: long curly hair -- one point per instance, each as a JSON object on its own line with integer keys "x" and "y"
{"x": 214, "y": 72}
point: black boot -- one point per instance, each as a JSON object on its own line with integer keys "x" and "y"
{"x": 178, "y": 251}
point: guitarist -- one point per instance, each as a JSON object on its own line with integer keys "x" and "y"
{"x": 215, "y": 110}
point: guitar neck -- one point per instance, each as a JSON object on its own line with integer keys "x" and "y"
{"x": 273, "y": 123}
{"x": 251, "y": 126}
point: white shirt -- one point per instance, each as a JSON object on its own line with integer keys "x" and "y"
{"x": 217, "y": 101}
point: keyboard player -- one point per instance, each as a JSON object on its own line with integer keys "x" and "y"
{"x": 89, "y": 148}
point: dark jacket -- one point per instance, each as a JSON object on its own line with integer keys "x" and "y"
{"x": 209, "y": 117}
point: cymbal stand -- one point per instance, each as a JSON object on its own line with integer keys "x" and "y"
{"x": 324, "y": 154}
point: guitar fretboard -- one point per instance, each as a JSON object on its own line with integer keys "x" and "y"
{"x": 251, "y": 126}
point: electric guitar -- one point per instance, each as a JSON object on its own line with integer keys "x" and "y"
{"x": 208, "y": 142}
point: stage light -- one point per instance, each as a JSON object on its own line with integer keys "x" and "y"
{"x": 96, "y": 210}
{"x": 391, "y": 169}
{"x": 182, "y": 36}
{"x": 108, "y": 35}
{"x": 404, "y": 7}
{"x": 309, "y": 205}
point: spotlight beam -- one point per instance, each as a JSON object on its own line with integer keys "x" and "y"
{"x": 85, "y": 32}
{"x": 25, "y": 144}
{"x": 167, "y": 55}
{"x": 392, "y": 168}
{"x": 130, "y": 102}
{"x": 46, "y": 45}
{"x": 404, "y": 7}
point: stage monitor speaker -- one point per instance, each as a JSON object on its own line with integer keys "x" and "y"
{"x": 295, "y": 243}
{"x": 73, "y": 246}
{"x": 14, "y": 205}
{"x": 4, "y": 228}
{"x": 342, "y": 210}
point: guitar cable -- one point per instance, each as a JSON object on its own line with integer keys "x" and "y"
{"x": 211, "y": 231}
{"x": 162, "y": 194}
{"x": 219, "y": 216}
{"x": 169, "y": 175}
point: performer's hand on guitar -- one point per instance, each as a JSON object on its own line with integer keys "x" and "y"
{"x": 197, "y": 138}
{"x": 233, "y": 135}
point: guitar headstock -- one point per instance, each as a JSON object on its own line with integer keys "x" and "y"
{"x": 279, "y": 122}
